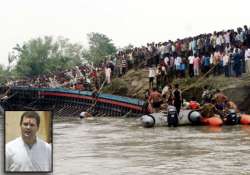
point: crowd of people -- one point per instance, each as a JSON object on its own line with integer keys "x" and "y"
{"x": 79, "y": 78}
{"x": 217, "y": 53}
{"x": 223, "y": 52}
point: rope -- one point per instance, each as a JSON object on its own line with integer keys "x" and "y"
{"x": 94, "y": 104}
{"x": 201, "y": 78}
{"x": 5, "y": 99}
{"x": 4, "y": 94}
{"x": 102, "y": 85}
{"x": 33, "y": 102}
{"x": 127, "y": 114}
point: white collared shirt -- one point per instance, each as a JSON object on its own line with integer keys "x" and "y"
{"x": 21, "y": 158}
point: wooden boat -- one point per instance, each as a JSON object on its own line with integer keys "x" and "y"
{"x": 65, "y": 102}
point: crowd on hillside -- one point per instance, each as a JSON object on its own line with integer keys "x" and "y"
{"x": 223, "y": 52}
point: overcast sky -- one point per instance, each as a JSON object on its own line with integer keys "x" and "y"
{"x": 124, "y": 21}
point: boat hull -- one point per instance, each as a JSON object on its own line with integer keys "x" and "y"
{"x": 64, "y": 102}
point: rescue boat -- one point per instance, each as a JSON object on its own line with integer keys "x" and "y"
{"x": 189, "y": 117}
{"x": 170, "y": 118}
{"x": 245, "y": 119}
{"x": 153, "y": 120}
{"x": 212, "y": 121}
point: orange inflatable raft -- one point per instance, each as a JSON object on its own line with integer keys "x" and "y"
{"x": 245, "y": 119}
{"x": 212, "y": 121}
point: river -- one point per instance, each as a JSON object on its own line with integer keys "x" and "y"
{"x": 118, "y": 146}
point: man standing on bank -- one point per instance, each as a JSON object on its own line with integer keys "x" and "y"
{"x": 28, "y": 152}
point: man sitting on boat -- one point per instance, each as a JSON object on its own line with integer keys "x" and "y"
{"x": 219, "y": 99}
{"x": 222, "y": 108}
{"x": 231, "y": 105}
{"x": 206, "y": 95}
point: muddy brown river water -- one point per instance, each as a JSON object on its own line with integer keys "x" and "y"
{"x": 118, "y": 146}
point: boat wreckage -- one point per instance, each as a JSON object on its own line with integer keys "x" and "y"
{"x": 65, "y": 102}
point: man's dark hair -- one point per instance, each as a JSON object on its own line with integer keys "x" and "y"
{"x": 193, "y": 98}
{"x": 31, "y": 114}
{"x": 176, "y": 86}
{"x": 154, "y": 88}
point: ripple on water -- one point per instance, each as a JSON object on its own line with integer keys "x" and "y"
{"x": 118, "y": 146}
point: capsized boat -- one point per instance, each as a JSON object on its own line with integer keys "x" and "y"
{"x": 66, "y": 102}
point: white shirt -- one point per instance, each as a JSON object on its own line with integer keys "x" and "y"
{"x": 225, "y": 60}
{"x": 108, "y": 72}
{"x": 191, "y": 59}
{"x": 162, "y": 49}
{"x": 211, "y": 58}
{"x": 151, "y": 72}
{"x": 227, "y": 37}
{"x": 178, "y": 61}
{"x": 83, "y": 114}
{"x": 218, "y": 40}
{"x": 166, "y": 60}
{"x": 21, "y": 158}
{"x": 78, "y": 72}
{"x": 247, "y": 54}
{"x": 165, "y": 90}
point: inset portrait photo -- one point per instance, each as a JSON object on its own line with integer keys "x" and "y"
{"x": 28, "y": 141}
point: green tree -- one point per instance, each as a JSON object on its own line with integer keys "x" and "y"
{"x": 33, "y": 56}
{"x": 43, "y": 55}
{"x": 128, "y": 47}
{"x": 64, "y": 55}
{"x": 100, "y": 46}
{"x": 4, "y": 75}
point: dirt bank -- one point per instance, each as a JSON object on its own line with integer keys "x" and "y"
{"x": 135, "y": 83}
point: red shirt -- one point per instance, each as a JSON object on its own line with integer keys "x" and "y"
{"x": 194, "y": 105}
{"x": 93, "y": 74}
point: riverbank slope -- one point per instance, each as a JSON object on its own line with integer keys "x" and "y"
{"x": 135, "y": 82}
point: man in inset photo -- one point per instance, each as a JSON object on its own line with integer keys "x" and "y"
{"x": 28, "y": 152}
